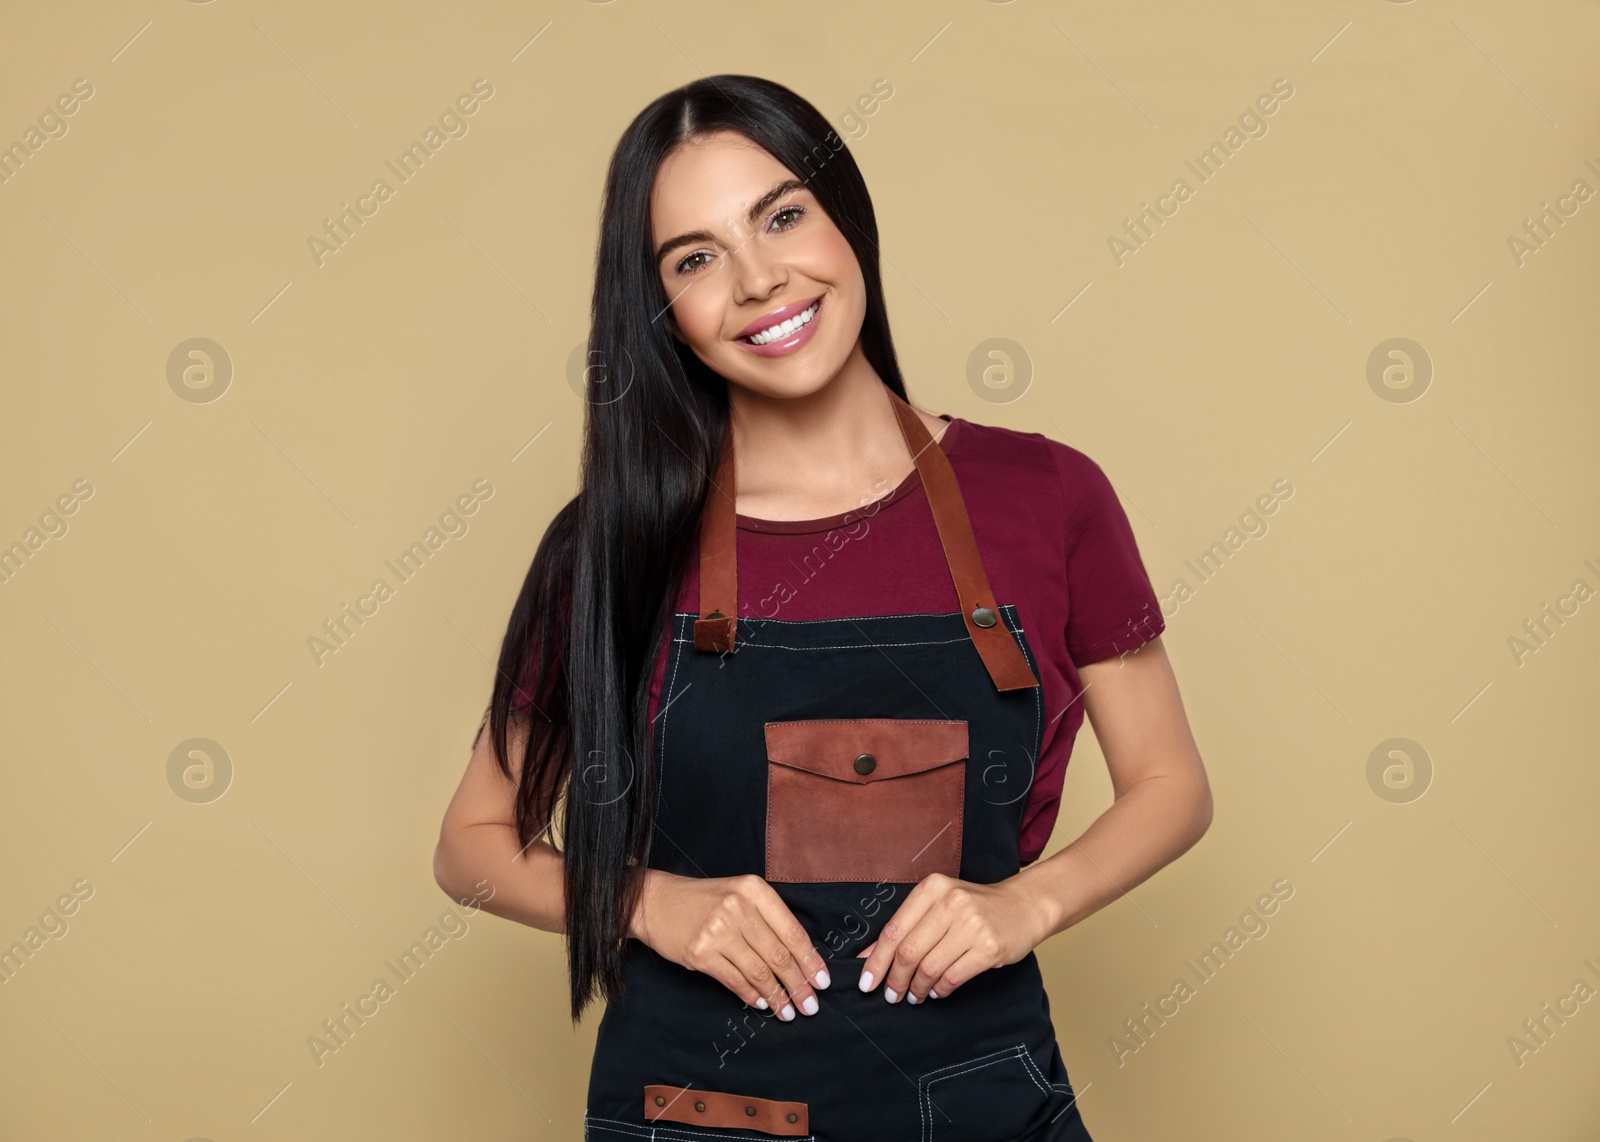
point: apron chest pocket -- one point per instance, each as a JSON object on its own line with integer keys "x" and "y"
{"x": 864, "y": 799}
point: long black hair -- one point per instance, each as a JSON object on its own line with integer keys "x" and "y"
{"x": 596, "y": 606}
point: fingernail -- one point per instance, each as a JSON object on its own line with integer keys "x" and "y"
{"x": 866, "y": 981}
{"x": 888, "y": 993}
{"x": 911, "y": 998}
{"x": 822, "y": 977}
{"x": 761, "y": 1003}
{"x": 932, "y": 994}
{"x": 809, "y": 1005}
{"x": 787, "y": 1012}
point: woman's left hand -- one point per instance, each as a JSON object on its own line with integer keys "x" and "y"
{"x": 946, "y": 932}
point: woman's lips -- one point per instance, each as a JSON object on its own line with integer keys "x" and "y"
{"x": 793, "y": 341}
{"x": 777, "y": 316}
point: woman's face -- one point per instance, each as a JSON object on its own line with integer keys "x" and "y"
{"x": 733, "y": 254}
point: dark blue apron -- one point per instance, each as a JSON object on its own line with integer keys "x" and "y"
{"x": 843, "y": 760}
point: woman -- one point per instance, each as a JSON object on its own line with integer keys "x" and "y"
{"x": 820, "y": 654}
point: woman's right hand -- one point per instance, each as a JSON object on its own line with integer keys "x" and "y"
{"x": 737, "y": 930}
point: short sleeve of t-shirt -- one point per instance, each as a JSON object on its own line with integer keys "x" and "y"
{"x": 1112, "y": 608}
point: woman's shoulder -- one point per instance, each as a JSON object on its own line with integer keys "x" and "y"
{"x": 1024, "y": 462}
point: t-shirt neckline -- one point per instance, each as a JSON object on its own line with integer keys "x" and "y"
{"x": 911, "y": 483}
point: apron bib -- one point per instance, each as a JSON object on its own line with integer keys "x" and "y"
{"x": 842, "y": 760}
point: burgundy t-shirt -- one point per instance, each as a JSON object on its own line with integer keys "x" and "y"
{"x": 1054, "y": 541}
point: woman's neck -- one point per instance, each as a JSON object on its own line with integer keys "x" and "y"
{"x": 823, "y": 453}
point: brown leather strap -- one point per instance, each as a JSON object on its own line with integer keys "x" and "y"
{"x": 663, "y": 1103}
{"x": 1001, "y": 655}
{"x": 999, "y": 650}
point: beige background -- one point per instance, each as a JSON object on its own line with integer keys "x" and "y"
{"x": 212, "y": 538}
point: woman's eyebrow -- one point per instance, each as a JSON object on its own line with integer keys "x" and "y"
{"x": 778, "y": 191}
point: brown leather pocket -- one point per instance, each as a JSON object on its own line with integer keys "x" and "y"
{"x": 665, "y": 1103}
{"x": 864, "y": 799}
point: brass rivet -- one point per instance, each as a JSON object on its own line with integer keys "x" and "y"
{"x": 866, "y": 763}
{"x": 984, "y": 617}
{"x": 750, "y": 1110}
{"x": 660, "y": 1101}
{"x": 699, "y": 1106}
{"x": 716, "y": 615}
{"x": 794, "y": 1118}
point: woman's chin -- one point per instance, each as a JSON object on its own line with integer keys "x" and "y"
{"x": 783, "y": 388}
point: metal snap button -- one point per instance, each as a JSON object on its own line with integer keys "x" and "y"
{"x": 660, "y": 1101}
{"x": 984, "y": 617}
{"x": 699, "y": 1106}
{"x": 866, "y": 763}
{"x": 794, "y": 1118}
{"x": 750, "y": 1110}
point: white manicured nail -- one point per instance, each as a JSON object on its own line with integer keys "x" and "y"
{"x": 866, "y": 981}
{"x": 787, "y": 1012}
{"x": 932, "y": 994}
{"x": 822, "y": 977}
{"x": 761, "y": 1003}
{"x": 809, "y": 1005}
{"x": 888, "y": 993}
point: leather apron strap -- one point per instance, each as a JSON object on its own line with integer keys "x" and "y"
{"x": 1003, "y": 658}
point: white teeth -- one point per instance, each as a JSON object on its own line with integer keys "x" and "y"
{"x": 784, "y": 328}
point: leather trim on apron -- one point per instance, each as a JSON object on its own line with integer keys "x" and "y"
{"x": 663, "y": 1103}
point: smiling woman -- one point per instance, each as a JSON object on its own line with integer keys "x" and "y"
{"x": 881, "y": 761}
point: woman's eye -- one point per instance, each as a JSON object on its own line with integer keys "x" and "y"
{"x": 684, "y": 267}
{"x": 795, "y": 210}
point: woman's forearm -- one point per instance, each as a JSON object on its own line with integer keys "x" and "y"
{"x": 486, "y": 862}
{"x": 1148, "y": 827}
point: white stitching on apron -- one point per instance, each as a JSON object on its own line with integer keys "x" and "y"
{"x": 844, "y": 646}
{"x": 925, "y": 1082}
{"x": 843, "y": 619}
{"x": 1008, "y": 607}
{"x": 1062, "y": 1088}
{"x": 1018, "y": 1051}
